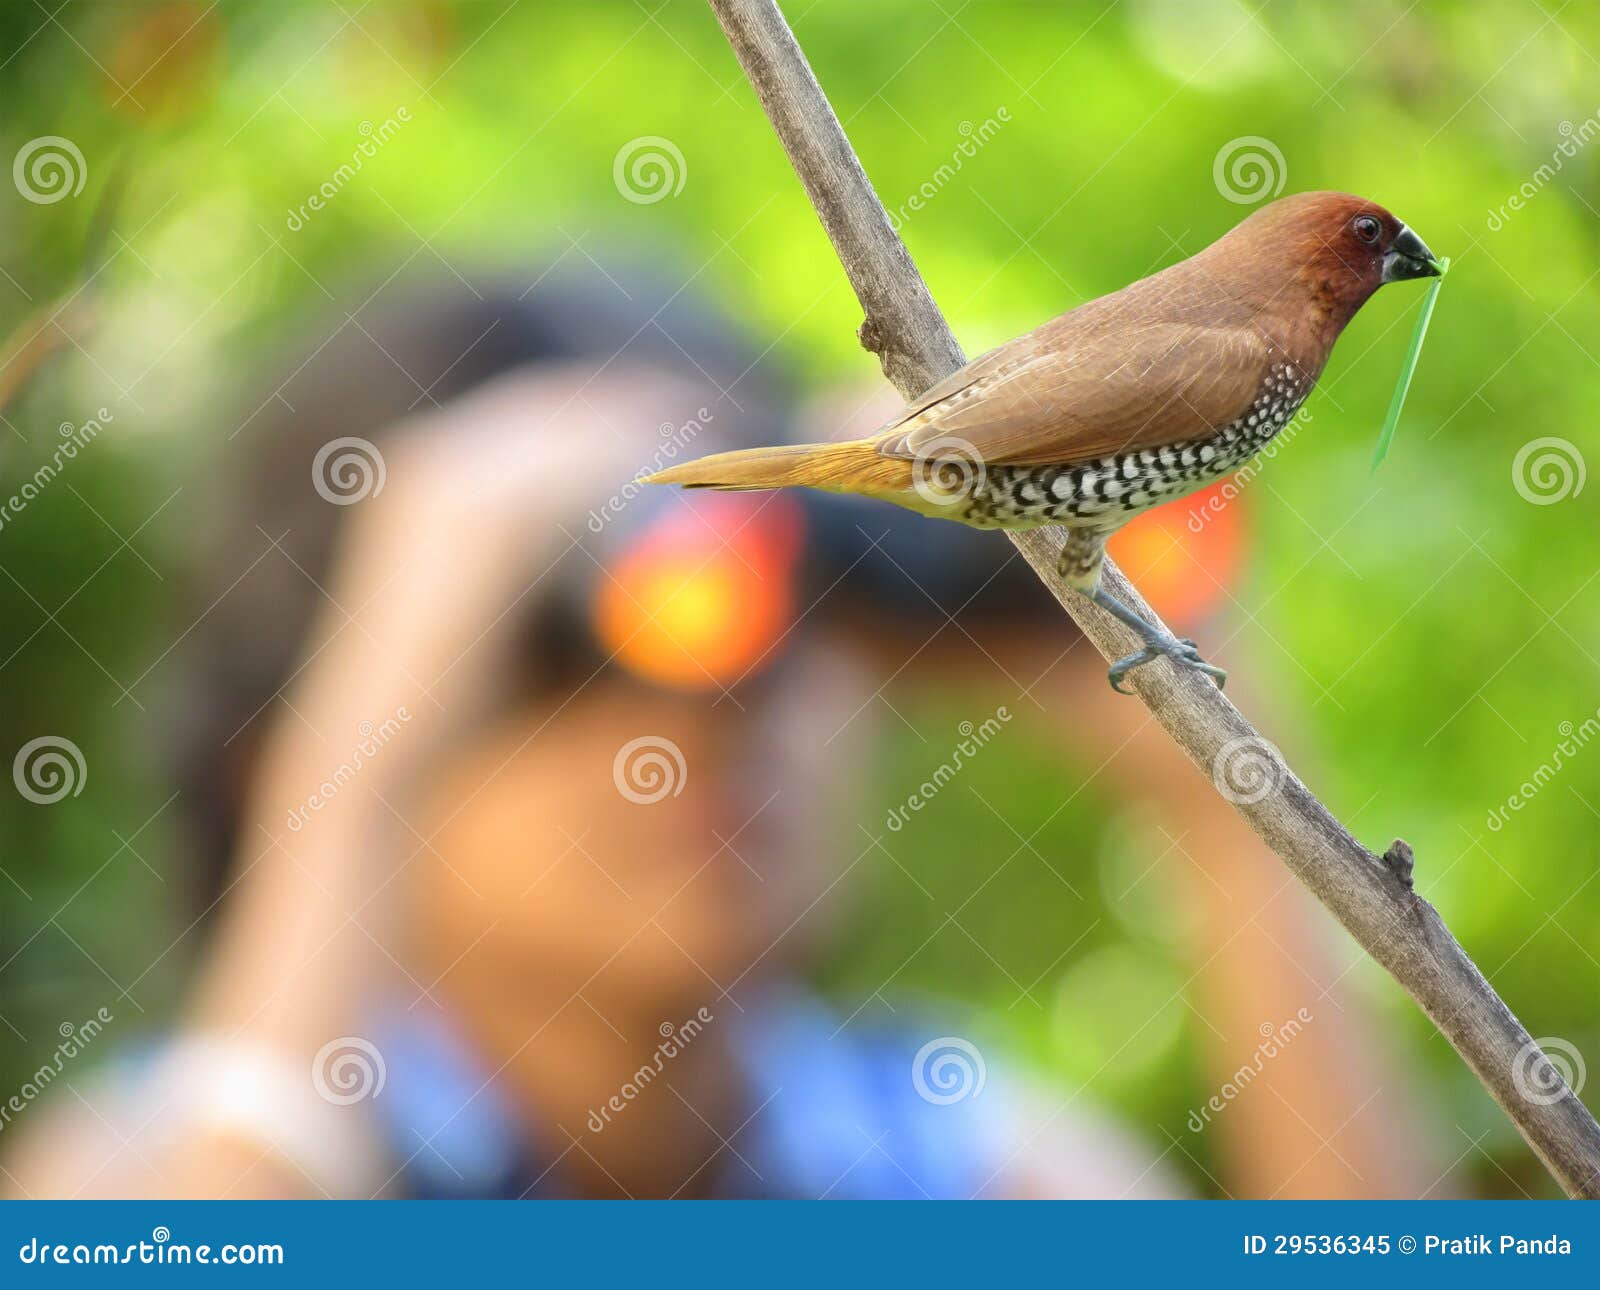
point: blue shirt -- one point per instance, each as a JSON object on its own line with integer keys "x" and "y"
{"x": 850, "y": 1112}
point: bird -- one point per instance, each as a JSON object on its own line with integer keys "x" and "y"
{"x": 1122, "y": 403}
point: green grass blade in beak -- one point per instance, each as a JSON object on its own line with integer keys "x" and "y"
{"x": 1386, "y": 437}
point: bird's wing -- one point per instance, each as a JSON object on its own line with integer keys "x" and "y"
{"x": 1056, "y": 399}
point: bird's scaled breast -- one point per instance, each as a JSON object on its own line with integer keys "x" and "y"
{"x": 1107, "y": 492}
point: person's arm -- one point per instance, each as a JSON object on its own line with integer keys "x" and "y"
{"x": 435, "y": 574}
{"x": 1325, "y": 1108}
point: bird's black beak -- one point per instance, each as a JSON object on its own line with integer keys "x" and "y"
{"x": 1408, "y": 257}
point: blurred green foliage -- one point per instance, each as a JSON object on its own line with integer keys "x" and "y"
{"x": 1424, "y": 632}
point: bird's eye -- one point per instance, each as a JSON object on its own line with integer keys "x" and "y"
{"x": 1366, "y": 227}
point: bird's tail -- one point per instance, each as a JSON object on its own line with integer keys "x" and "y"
{"x": 852, "y": 467}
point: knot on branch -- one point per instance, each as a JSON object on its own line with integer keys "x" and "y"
{"x": 903, "y": 369}
{"x": 1398, "y": 860}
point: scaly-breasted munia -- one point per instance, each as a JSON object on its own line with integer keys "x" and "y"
{"x": 1123, "y": 403}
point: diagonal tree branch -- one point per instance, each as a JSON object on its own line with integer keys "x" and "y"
{"x": 1371, "y": 896}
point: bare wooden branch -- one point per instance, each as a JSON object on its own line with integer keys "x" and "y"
{"x": 1370, "y": 896}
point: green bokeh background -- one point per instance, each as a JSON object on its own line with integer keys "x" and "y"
{"x": 1423, "y": 632}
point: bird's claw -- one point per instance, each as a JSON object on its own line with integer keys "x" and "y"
{"x": 1185, "y": 652}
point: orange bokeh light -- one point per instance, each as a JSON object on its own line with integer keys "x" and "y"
{"x": 1184, "y": 555}
{"x": 701, "y": 604}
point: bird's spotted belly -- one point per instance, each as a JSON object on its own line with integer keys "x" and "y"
{"x": 1109, "y": 491}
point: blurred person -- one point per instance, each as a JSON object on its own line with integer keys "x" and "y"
{"x": 522, "y": 788}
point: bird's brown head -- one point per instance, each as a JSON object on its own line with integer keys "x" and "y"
{"x": 1337, "y": 248}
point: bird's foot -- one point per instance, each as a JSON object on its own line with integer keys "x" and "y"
{"x": 1158, "y": 643}
{"x": 1185, "y": 652}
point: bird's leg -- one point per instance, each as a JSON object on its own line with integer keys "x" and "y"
{"x": 1080, "y": 562}
{"x": 1157, "y": 644}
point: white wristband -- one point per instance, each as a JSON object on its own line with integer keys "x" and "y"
{"x": 261, "y": 1093}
